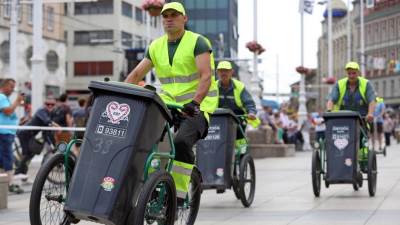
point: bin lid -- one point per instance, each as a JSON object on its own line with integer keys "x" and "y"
{"x": 131, "y": 89}
{"x": 341, "y": 114}
{"x": 225, "y": 112}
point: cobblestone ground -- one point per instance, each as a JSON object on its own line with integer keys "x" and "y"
{"x": 283, "y": 196}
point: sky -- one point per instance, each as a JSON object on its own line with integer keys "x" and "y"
{"x": 279, "y": 33}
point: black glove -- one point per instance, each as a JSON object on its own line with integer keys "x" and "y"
{"x": 192, "y": 108}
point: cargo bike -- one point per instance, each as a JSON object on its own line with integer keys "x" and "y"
{"x": 344, "y": 156}
{"x": 224, "y": 162}
{"x": 120, "y": 176}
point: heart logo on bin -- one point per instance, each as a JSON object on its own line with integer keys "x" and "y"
{"x": 117, "y": 112}
{"x": 341, "y": 143}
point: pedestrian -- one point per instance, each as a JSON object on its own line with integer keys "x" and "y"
{"x": 7, "y": 136}
{"x": 388, "y": 125}
{"x": 62, "y": 115}
{"x": 29, "y": 146}
{"x": 377, "y": 127}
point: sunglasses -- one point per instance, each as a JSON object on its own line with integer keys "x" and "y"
{"x": 50, "y": 104}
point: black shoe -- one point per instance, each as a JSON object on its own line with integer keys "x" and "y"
{"x": 13, "y": 188}
{"x": 360, "y": 179}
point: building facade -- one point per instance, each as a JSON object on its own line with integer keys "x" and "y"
{"x": 218, "y": 21}
{"x": 105, "y": 38}
{"x": 381, "y": 48}
{"x": 54, "y": 47}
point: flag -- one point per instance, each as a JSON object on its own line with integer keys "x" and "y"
{"x": 306, "y": 6}
{"x": 370, "y": 4}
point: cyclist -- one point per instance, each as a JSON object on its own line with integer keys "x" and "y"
{"x": 233, "y": 95}
{"x": 183, "y": 63}
{"x": 354, "y": 93}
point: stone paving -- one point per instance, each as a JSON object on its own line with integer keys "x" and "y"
{"x": 284, "y": 196}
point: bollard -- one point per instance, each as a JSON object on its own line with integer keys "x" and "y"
{"x": 3, "y": 190}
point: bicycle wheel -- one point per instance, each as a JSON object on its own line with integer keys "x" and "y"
{"x": 316, "y": 173}
{"x": 247, "y": 180}
{"x": 372, "y": 173}
{"x": 187, "y": 213}
{"x": 46, "y": 206}
{"x": 157, "y": 201}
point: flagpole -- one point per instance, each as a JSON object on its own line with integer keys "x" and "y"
{"x": 302, "y": 113}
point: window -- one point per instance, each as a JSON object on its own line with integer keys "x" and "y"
{"x": 50, "y": 18}
{"x": 139, "y": 42}
{"x": 211, "y": 26}
{"x": 377, "y": 87}
{"x": 139, "y": 15}
{"x": 200, "y": 26}
{"x": 189, "y": 4}
{"x": 211, "y": 4}
{"x": 222, "y": 25}
{"x": 200, "y": 4}
{"x": 392, "y": 88}
{"x": 93, "y": 37}
{"x": 30, "y": 13}
{"x": 98, "y": 7}
{"x": 384, "y": 88}
{"x": 127, "y": 9}
{"x": 28, "y": 56}
{"x": 52, "y": 60}
{"x": 222, "y": 4}
{"x": 7, "y": 8}
{"x": 126, "y": 39}
{"x": 5, "y": 52}
{"x": 96, "y": 68}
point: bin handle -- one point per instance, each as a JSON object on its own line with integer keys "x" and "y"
{"x": 174, "y": 106}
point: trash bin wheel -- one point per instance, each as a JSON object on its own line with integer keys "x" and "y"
{"x": 48, "y": 197}
{"x": 157, "y": 201}
{"x": 247, "y": 180}
{"x": 372, "y": 173}
{"x": 316, "y": 173}
{"x": 187, "y": 213}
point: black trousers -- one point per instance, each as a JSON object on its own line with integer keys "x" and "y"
{"x": 190, "y": 131}
{"x": 26, "y": 155}
{"x": 387, "y": 138}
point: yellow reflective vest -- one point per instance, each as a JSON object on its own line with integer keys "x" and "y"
{"x": 179, "y": 81}
{"x": 342, "y": 84}
{"x": 238, "y": 88}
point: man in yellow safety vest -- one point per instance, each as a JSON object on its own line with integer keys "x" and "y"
{"x": 353, "y": 93}
{"x": 233, "y": 95}
{"x": 183, "y": 63}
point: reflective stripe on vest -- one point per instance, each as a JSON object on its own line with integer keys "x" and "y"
{"x": 181, "y": 172}
{"x": 180, "y": 80}
{"x": 189, "y": 96}
{"x": 342, "y": 85}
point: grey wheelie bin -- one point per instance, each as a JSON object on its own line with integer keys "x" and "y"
{"x": 342, "y": 144}
{"x": 124, "y": 123}
{"x": 215, "y": 154}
